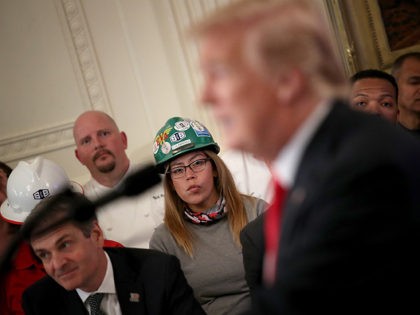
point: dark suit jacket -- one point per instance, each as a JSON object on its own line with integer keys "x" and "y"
{"x": 350, "y": 227}
{"x": 147, "y": 282}
{"x": 252, "y": 240}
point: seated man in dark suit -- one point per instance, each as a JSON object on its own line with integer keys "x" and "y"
{"x": 252, "y": 241}
{"x": 65, "y": 235}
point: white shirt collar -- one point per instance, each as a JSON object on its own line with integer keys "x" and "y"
{"x": 107, "y": 285}
{"x": 287, "y": 161}
{"x": 102, "y": 189}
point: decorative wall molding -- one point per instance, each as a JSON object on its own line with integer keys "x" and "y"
{"x": 83, "y": 45}
{"x": 341, "y": 30}
{"x": 372, "y": 16}
{"x": 91, "y": 86}
{"x": 184, "y": 13}
{"x": 36, "y": 142}
{"x": 368, "y": 32}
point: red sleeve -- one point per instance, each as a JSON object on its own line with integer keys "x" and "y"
{"x": 110, "y": 243}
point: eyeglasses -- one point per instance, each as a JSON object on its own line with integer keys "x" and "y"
{"x": 196, "y": 166}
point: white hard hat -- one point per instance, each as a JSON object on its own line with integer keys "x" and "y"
{"x": 28, "y": 184}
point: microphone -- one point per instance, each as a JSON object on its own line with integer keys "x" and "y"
{"x": 134, "y": 184}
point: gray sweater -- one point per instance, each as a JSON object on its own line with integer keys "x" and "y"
{"x": 216, "y": 272}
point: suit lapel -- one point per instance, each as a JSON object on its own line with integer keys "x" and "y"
{"x": 314, "y": 164}
{"x": 75, "y": 304}
{"x": 130, "y": 293}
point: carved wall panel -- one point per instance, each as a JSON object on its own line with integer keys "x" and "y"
{"x": 49, "y": 74}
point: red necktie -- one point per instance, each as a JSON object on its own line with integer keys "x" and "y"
{"x": 272, "y": 227}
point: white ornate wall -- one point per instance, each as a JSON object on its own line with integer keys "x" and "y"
{"x": 129, "y": 58}
{"x": 62, "y": 57}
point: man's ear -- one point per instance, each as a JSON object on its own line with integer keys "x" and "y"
{"x": 124, "y": 139}
{"x": 290, "y": 85}
{"x": 97, "y": 235}
{"x": 76, "y": 153}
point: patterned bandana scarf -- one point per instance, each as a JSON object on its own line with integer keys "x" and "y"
{"x": 212, "y": 215}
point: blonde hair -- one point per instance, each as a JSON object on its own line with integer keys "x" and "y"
{"x": 278, "y": 35}
{"x": 225, "y": 185}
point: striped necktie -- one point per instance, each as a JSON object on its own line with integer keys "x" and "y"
{"x": 94, "y": 302}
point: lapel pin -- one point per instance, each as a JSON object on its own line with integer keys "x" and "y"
{"x": 298, "y": 195}
{"x": 134, "y": 297}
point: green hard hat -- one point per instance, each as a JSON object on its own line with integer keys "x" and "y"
{"x": 179, "y": 136}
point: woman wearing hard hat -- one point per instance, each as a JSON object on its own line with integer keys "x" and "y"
{"x": 204, "y": 214}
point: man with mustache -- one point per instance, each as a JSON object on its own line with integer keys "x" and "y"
{"x": 101, "y": 147}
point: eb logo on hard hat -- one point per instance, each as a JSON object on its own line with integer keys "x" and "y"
{"x": 41, "y": 194}
{"x": 29, "y": 183}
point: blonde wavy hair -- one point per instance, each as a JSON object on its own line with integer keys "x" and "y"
{"x": 281, "y": 34}
{"x": 225, "y": 185}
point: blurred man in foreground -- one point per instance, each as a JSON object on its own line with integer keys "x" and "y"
{"x": 342, "y": 235}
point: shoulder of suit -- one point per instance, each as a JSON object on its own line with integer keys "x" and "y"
{"x": 137, "y": 253}
{"x": 46, "y": 287}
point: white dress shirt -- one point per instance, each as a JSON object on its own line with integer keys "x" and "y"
{"x": 109, "y": 304}
{"x": 286, "y": 164}
{"x": 130, "y": 221}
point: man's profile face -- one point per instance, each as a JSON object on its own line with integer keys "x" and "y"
{"x": 409, "y": 85}
{"x": 99, "y": 143}
{"x": 375, "y": 96}
{"x": 240, "y": 98}
{"x": 71, "y": 258}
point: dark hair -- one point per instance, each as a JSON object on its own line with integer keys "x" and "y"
{"x": 375, "y": 74}
{"x": 57, "y": 210}
{"x": 396, "y": 67}
{"x": 6, "y": 168}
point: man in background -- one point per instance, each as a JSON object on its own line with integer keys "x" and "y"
{"x": 342, "y": 232}
{"x": 406, "y": 70}
{"x": 375, "y": 92}
{"x": 101, "y": 147}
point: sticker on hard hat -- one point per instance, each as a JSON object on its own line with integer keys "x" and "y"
{"x": 41, "y": 194}
{"x": 155, "y": 147}
{"x": 165, "y": 147}
{"x": 182, "y": 125}
{"x": 160, "y": 139}
{"x": 199, "y": 129}
{"x": 181, "y": 145}
{"x": 177, "y": 136}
